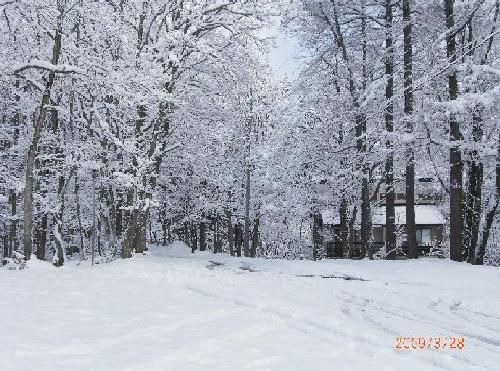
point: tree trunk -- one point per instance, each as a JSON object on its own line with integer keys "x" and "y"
{"x": 164, "y": 224}
{"x": 135, "y": 238}
{"x": 352, "y": 232}
{"x": 13, "y": 243}
{"x": 111, "y": 218}
{"x": 490, "y": 216}
{"x": 474, "y": 191}
{"x": 164, "y": 228}
{"x": 13, "y": 239}
{"x": 246, "y": 240}
{"x": 41, "y": 237}
{"x": 456, "y": 221}
{"x": 218, "y": 235}
{"x": 58, "y": 221}
{"x": 79, "y": 215}
{"x": 344, "y": 228}
{"x": 366, "y": 223}
{"x": 131, "y": 234}
{"x": 169, "y": 231}
{"x": 366, "y": 226}
{"x": 152, "y": 233}
{"x": 255, "y": 238}
{"x": 194, "y": 237}
{"x": 411, "y": 231}
{"x": 390, "y": 218}
{"x": 473, "y": 195}
{"x": 366, "y": 219}
{"x": 141, "y": 241}
{"x": 5, "y": 248}
{"x": 317, "y": 234}
{"x": 238, "y": 238}
{"x": 119, "y": 215}
{"x": 230, "y": 233}
{"x": 185, "y": 233}
{"x": 215, "y": 227}
{"x": 135, "y": 235}
{"x": 203, "y": 235}
{"x": 33, "y": 148}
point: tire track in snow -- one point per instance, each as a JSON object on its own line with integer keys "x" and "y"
{"x": 365, "y": 305}
{"x": 292, "y": 319}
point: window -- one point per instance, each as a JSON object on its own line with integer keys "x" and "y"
{"x": 423, "y": 237}
{"x": 400, "y": 196}
{"x": 425, "y": 180}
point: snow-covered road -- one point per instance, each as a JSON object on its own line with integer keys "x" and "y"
{"x": 175, "y": 311}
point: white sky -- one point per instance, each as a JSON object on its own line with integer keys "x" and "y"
{"x": 283, "y": 58}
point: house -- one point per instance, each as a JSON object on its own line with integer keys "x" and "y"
{"x": 428, "y": 219}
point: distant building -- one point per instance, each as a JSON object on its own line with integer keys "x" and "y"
{"x": 428, "y": 219}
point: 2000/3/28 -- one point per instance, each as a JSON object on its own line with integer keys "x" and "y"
{"x": 423, "y": 343}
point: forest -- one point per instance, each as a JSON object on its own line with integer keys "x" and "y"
{"x": 126, "y": 123}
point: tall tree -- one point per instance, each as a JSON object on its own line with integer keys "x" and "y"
{"x": 492, "y": 213}
{"x": 38, "y": 128}
{"x": 411, "y": 232}
{"x": 390, "y": 218}
{"x": 456, "y": 221}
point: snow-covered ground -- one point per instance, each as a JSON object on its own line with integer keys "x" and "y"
{"x": 175, "y": 311}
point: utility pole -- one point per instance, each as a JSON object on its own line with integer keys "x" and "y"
{"x": 246, "y": 241}
{"x": 246, "y": 237}
{"x": 93, "y": 217}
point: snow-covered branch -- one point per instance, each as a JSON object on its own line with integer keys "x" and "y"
{"x": 46, "y": 66}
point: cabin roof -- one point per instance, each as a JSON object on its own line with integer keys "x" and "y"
{"x": 424, "y": 215}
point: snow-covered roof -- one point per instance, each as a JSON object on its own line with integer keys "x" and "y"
{"x": 330, "y": 217}
{"x": 424, "y": 215}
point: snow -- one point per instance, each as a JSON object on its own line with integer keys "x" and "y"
{"x": 171, "y": 310}
{"x": 330, "y": 217}
{"x": 424, "y": 215}
{"x": 61, "y": 68}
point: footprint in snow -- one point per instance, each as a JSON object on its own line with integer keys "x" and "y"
{"x": 214, "y": 264}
